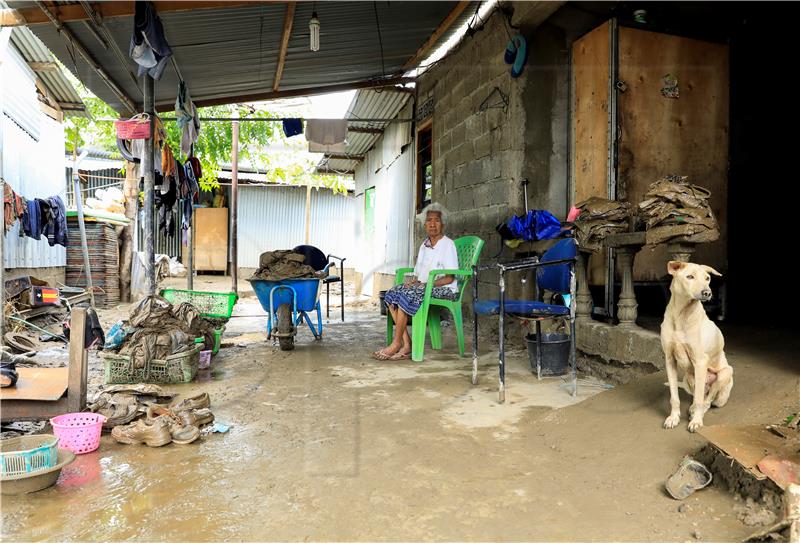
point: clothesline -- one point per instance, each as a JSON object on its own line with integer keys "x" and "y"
{"x": 274, "y": 119}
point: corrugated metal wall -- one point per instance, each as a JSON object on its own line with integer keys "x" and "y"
{"x": 272, "y": 218}
{"x": 389, "y": 167}
{"x": 34, "y": 169}
{"x": 95, "y": 179}
{"x": 19, "y": 88}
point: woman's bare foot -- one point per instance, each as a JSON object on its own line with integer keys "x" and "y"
{"x": 387, "y": 352}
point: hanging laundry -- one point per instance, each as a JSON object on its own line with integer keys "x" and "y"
{"x": 56, "y": 227}
{"x": 326, "y": 135}
{"x": 30, "y": 222}
{"x": 186, "y": 116}
{"x": 187, "y": 189}
{"x": 149, "y": 47}
{"x": 14, "y": 207}
{"x": 167, "y": 161}
{"x": 292, "y": 127}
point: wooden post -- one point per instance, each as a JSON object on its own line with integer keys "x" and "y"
{"x": 78, "y": 361}
{"x": 131, "y": 192}
{"x": 148, "y": 169}
{"x": 583, "y": 298}
{"x": 626, "y": 307}
{"x": 308, "y": 214}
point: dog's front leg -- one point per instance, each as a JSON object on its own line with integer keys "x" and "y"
{"x": 698, "y": 408}
{"x": 674, "y": 399}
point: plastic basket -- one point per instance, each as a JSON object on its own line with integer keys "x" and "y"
{"x": 78, "y": 432}
{"x": 135, "y": 128}
{"x": 217, "y": 340}
{"x": 27, "y": 454}
{"x": 176, "y": 368}
{"x": 217, "y": 305}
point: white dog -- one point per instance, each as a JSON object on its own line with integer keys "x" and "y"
{"x": 694, "y": 344}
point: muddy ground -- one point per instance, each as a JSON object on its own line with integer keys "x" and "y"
{"x": 328, "y": 444}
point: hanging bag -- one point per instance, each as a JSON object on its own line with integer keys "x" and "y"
{"x": 135, "y": 128}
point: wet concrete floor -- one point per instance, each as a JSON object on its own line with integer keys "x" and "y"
{"x": 328, "y": 444}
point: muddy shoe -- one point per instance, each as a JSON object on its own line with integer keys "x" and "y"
{"x": 690, "y": 476}
{"x": 156, "y": 434}
{"x": 195, "y": 402}
{"x": 183, "y": 435}
{"x": 197, "y": 417}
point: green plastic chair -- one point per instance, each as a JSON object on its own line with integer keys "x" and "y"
{"x": 469, "y": 250}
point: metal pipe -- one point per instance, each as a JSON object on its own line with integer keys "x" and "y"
{"x": 235, "y": 205}
{"x": 277, "y": 120}
{"x": 190, "y": 250}
{"x": 81, "y": 224}
{"x": 148, "y": 166}
{"x": 502, "y": 361}
{"x": 474, "y": 326}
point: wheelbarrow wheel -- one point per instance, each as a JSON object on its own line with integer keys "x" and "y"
{"x": 284, "y": 315}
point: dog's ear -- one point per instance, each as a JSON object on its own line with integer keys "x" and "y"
{"x": 674, "y": 266}
{"x": 711, "y": 270}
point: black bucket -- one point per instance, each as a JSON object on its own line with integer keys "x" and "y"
{"x": 382, "y": 295}
{"x": 555, "y": 353}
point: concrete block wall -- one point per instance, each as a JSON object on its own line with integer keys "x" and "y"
{"x": 480, "y": 157}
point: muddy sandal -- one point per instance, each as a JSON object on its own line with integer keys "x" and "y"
{"x": 690, "y": 476}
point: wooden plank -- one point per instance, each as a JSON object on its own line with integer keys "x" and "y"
{"x": 43, "y": 66}
{"x": 684, "y": 136}
{"x": 590, "y": 73}
{"x": 11, "y": 17}
{"x": 288, "y": 19}
{"x": 429, "y": 44}
{"x": 41, "y": 384}
{"x": 78, "y": 360}
{"x": 75, "y": 12}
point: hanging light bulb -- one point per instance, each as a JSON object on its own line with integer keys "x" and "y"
{"x": 313, "y": 28}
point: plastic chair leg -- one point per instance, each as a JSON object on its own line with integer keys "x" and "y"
{"x": 328, "y": 300}
{"x": 458, "y": 322}
{"x": 435, "y": 328}
{"x": 418, "y": 331}
{"x": 389, "y": 327}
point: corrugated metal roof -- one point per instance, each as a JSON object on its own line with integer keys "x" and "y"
{"x": 367, "y": 104}
{"x": 33, "y": 50}
{"x": 233, "y": 51}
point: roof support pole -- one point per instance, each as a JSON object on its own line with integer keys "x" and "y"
{"x": 235, "y": 206}
{"x": 148, "y": 167}
{"x": 5, "y": 35}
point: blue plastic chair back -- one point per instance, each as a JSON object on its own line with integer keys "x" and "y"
{"x": 557, "y": 278}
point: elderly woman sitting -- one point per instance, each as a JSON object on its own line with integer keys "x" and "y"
{"x": 438, "y": 252}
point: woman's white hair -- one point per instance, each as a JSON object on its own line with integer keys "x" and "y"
{"x": 435, "y": 207}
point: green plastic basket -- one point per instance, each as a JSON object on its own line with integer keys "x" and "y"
{"x": 217, "y": 340}
{"x": 218, "y": 305}
{"x": 176, "y": 368}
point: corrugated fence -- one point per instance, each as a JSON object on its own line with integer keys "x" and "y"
{"x": 272, "y": 218}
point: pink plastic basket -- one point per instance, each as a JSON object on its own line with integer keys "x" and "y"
{"x": 78, "y": 432}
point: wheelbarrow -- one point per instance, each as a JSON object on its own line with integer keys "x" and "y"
{"x": 287, "y": 303}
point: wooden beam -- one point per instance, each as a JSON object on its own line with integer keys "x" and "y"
{"x": 365, "y": 130}
{"x": 288, "y": 20}
{"x": 341, "y": 156}
{"x": 72, "y": 106}
{"x": 51, "y": 112}
{"x": 326, "y": 171}
{"x": 308, "y": 91}
{"x": 75, "y": 12}
{"x": 43, "y": 66}
{"x": 426, "y": 48}
{"x": 11, "y": 17}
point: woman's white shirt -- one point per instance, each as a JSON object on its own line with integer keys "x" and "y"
{"x": 442, "y": 256}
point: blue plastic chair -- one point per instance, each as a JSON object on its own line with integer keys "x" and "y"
{"x": 555, "y": 272}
